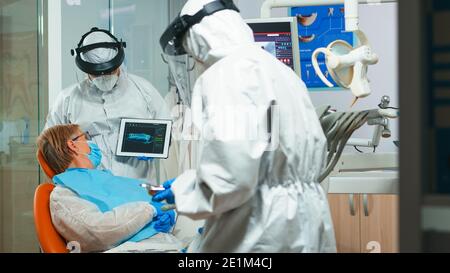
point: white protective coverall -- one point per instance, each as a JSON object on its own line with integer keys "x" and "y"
{"x": 100, "y": 112}
{"x": 253, "y": 199}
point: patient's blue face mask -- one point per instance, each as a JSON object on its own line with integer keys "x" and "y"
{"x": 95, "y": 156}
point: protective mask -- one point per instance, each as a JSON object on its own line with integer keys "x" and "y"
{"x": 95, "y": 156}
{"x": 105, "y": 83}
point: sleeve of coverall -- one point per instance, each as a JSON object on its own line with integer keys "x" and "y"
{"x": 227, "y": 174}
{"x": 79, "y": 220}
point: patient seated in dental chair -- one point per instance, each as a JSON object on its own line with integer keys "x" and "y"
{"x": 100, "y": 211}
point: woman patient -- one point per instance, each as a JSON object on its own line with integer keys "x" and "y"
{"x": 95, "y": 208}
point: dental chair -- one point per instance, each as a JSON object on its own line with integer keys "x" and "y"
{"x": 50, "y": 240}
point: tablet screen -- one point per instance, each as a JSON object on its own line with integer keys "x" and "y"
{"x": 149, "y": 138}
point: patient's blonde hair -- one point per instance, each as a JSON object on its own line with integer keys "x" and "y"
{"x": 53, "y": 145}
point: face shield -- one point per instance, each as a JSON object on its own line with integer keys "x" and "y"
{"x": 183, "y": 67}
{"x": 99, "y": 54}
{"x": 183, "y": 71}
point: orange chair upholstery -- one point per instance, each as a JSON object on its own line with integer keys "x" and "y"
{"x": 49, "y": 239}
{"x": 45, "y": 167}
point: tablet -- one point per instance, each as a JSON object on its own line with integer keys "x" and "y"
{"x": 144, "y": 138}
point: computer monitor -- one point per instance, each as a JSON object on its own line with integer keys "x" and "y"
{"x": 278, "y": 36}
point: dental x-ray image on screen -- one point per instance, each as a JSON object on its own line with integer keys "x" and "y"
{"x": 149, "y": 138}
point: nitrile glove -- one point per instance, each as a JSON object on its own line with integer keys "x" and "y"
{"x": 144, "y": 158}
{"x": 166, "y": 194}
{"x": 165, "y": 221}
{"x": 168, "y": 183}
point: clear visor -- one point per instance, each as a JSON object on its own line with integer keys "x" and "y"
{"x": 182, "y": 69}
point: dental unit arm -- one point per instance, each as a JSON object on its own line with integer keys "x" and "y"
{"x": 381, "y": 123}
{"x": 339, "y": 127}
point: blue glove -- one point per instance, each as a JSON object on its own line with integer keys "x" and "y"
{"x": 200, "y": 230}
{"x": 165, "y": 221}
{"x": 168, "y": 183}
{"x": 143, "y": 158}
{"x": 166, "y": 194}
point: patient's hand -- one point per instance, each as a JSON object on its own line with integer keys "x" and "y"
{"x": 157, "y": 209}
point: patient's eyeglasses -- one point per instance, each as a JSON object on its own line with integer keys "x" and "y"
{"x": 86, "y": 135}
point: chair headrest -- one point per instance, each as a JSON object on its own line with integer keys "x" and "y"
{"x": 44, "y": 165}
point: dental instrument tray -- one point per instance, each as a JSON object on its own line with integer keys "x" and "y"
{"x": 148, "y": 138}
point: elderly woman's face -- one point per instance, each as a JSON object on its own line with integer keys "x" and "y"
{"x": 80, "y": 140}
